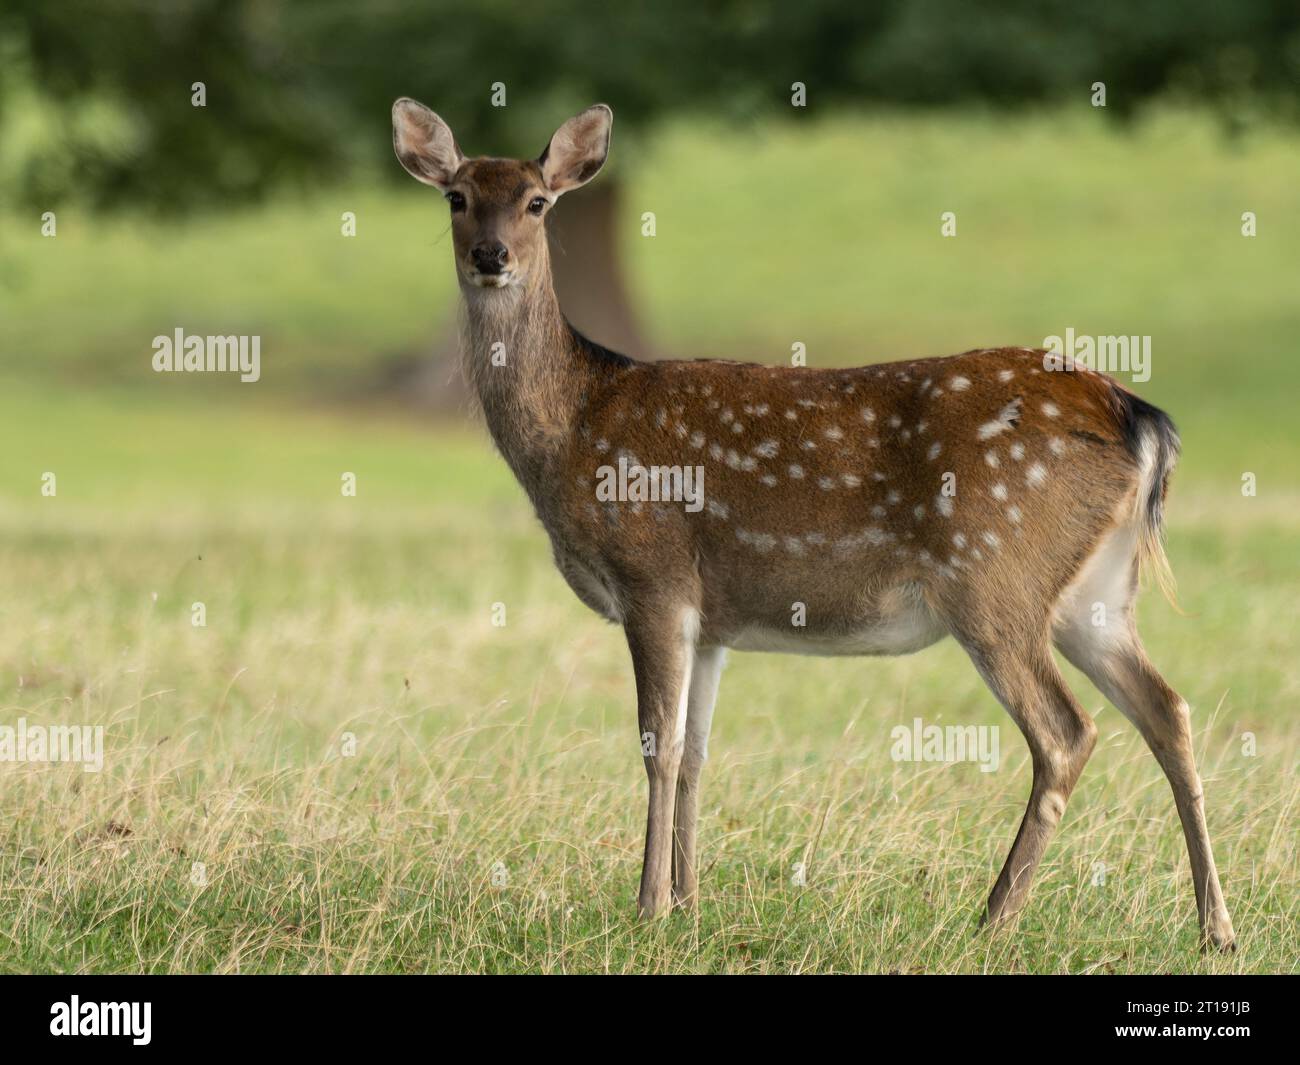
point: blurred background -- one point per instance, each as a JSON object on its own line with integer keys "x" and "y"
{"x": 1122, "y": 219}
{"x": 797, "y": 160}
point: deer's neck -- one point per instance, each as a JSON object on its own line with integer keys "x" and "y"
{"x": 531, "y": 373}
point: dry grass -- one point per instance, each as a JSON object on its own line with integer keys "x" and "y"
{"x": 490, "y": 817}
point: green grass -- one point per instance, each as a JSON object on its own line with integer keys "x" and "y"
{"x": 509, "y": 753}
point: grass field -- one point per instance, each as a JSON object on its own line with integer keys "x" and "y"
{"x": 351, "y": 768}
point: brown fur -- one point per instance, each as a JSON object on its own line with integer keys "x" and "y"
{"x": 824, "y": 489}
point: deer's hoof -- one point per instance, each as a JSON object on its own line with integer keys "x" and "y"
{"x": 648, "y": 908}
{"x": 1217, "y": 934}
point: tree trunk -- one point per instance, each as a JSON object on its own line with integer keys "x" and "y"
{"x": 588, "y": 272}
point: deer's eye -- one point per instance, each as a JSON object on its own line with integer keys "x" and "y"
{"x": 537, "y": 205}
{"x": 456, "y": 200}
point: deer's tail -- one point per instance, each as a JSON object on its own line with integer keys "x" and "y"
{"x": 1152, "y": 439}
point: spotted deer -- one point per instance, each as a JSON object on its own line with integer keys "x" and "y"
{"x": 980, "y": 496}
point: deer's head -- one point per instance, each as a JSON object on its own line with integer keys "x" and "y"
{"x": 498, "y": 205}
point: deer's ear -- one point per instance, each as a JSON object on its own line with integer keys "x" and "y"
{"x": 424, "y": 144}
{"x": 578, "y": 149}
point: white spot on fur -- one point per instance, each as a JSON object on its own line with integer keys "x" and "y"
{"x": 796, "y": 471}
{"x": 918, "y": 512}
{"x": 1005, "y": 375}
{"x": 958, "y": 384}
{"x": 761, "y": 541}
{"x": 768, "y": 480}
{"x": 868, "y": 415}
{"x": 943, "y": 504}
{"x": 850, "y": 480}
{"x": 1013, "y": 513}
{"x": 959, "y": 540}
{"x": 833, "y": 432}
{"x": 991, "y": 539}
{"x": 825, "y": 484}
{"x": 1017, "y": 451}
{"x": 1051, "y": 410}
{"x": 697, "y": 440}
{"x": 1001, "y": 423}
{"x": 718, "y": 510}
{"x": 767, "y": 449}
{"x": 999, "y": 491}
{"x": 1057, "y": 446}
{"x": 991, "y": 457}
{"x": 1035, "y": 475}
{"x": 933, "y": 453}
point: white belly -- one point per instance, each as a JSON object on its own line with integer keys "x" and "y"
{"x": 898, "y": 633}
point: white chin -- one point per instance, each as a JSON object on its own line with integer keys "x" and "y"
{"x": 491, "y": 280}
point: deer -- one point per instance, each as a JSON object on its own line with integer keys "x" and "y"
{"x": 988, "y": 496}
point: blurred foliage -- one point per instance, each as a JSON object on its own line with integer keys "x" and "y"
{"x": 95, "y": 94}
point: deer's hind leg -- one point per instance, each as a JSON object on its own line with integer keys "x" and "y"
{"x": 1025, "y": 679}
{"x": 1096, "y": 631}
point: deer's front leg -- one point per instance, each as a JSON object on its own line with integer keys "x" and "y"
{"x": 662, "y": 642}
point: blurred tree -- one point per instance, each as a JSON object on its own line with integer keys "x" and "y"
{"x": 95, "y": 95}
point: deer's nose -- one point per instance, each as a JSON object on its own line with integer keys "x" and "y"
{"x": 489, "y": 256}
